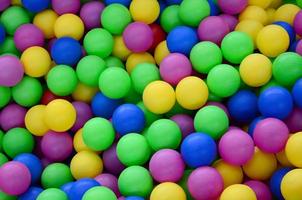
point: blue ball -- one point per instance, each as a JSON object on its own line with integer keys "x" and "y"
{"x": 67, "y": 188}
{"x": 2, "y": 34}
{"x": 297, "y": 93}
{"x": 293, "y": 46}
{"x": 181, "y": 40}
{"x": 198, "y": 149}
{"x": 173, "y": 2}
{"x": 134, "y": 198}
{"x": 31, "y": 194}
{"x": 214, "y": 9}
{"x": 103, "y": 106}
{"x": 253, "y": 125}
{"x": 289, "y": 29}
{"x": 79, "y": 188}
{"x": 123, "y": 2}
{"x": 275, "y": 102}
{"x": 275, "y": 182}
{"x": 128, "y": 118}
{"x": 33, "y": 163}
{"x": 243, "y": 106}
{"x": 66, "y": 51}
{"x": 35, "y": 5}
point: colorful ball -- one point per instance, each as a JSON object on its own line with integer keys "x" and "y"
{"x": 28, "y": 35}
{"x": 45, "y": 21}
{"x": 292, "y": 121}
{"x": 52, "y": 193}
{"x": 35, "y": 6}
{"x": 254, "y": 13}
{"x": 109, "y": 181}
{"x": 238, "y": 192}
{"x": 291, "y": 183}
{"x": 297, "y": 23}
{"x": 287, "y": 13}
{"x": 55, "y": 175}
{"x": 291, "y": 149}
{"x": 78, "y": 142}
{"x": 5, "y": 94}
{"x": 138, "y": 58}
{"x": 289, "y": 29}
{"x": 146, "y": 12}
{"x": 103, "y": 106}
{"x": 232, "y": 7}
{"x": 111, "y": 162}
{"x": 296, "y": 92}
{"x": 12, "y": 116}
{"x": 185, "y": 123}
{"x": 159, "y": 35}
{"x": 261, "y": 190}
{"x": 231, "y": 20}
{"x": 191, "y": 12}
{"x": 11, "y": 70}
{"x": 67, "y": 6}
{"x": 168, "y": 190}
{"x": 275, "y": 181}
{"x": 4, "y": 4}
{"x": 83, "y": 112}
{"x": 69, "y": 25}
{"x": 250, "y": 27}
{"x": 32, "y": 192}
{"x": 80, "y": 187}
{"x": 119, "y": 49}
{"x": 169, "y": 18}
{"x": 90, "y": 14}
{"x": 99, "y": 192}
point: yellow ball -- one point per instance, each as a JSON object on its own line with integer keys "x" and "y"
{"x": 168, "y": 191}
{"x": 16, "y": 2}
{"x": 293, "y": 149}
{"x": 45, "y": 20}
{"x": 159, "y": 97}
{"x": 261, "y": 166}
{"x": 69, "y": 25}
{"x": 250, "y": 27}
{"x": 282, "y": 159}
{"x": 161, "y": 51}
{"x": 34, "y": 120}
{"x": 270, "y": 15}
{"x": 36, "y": 61}
{"x": 84, "y": 93}
{"x": 137, "y": 58}
{"x": 145, "y": 11}
{"x": 254, "y": 13}
{"x": 286, "y": 13}
{"x": 231, "y": 174}
{"x": 260, "y": 3}
{"x": 119, "y": 48}
{"x": 238, "y": 192}
{"x": 192, "y": 93}
{"x": 272, "y": 40}
{"x": 275, "y": 3}
{"x": 291, "y": 185}
{"x": 256, "y": 70}
{"x": 60, "y": 115}
{"x": 86, "y": 164}
{"x": 78, "y": 142}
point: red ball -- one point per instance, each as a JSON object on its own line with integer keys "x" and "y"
{"x": 159, "y": 35}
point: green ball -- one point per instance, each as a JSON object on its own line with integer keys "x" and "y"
{"x": 1, "y": 140}
{"x": 112, "y": 61}
{"x": 98, "y": 134}
{"x": 133, "y": 149}
{"x": 99, "y": 192}
{"x": 52, "y": 194}
{"x": 184, "y": 185}
{"x": 115, "y": 82}
{"x": 211, "y": 120}
{"x": 8, "y": 46}
{"x": 169, "y": 18}
{"x": 62, "y": 80}
{"x": 13, "y": 17}
{"x": 98, "y": 42}
{"x": 135, "y": 181}
{"x": 4, "y": 196}
{"x": 271, "y": 83}
{"x": 164, "y": 134}
{"x": 191, "y": 12}
{"x": 27, "y": 92}
{"x": 148, "y": 71}
{"x": 287, "y": 68}
{"x": 149, "y": 116}
{"x": 236, "y": 46}
{"x": 133, "y": 96}
{"x": 3, "y": 159}
{"x": 17, "y": 141}
{"x": 299, "y": 3}
{"x": 223, "y": 80}
{"x": 204, "y": 56}
{"x": 5, "y": 95}
{"x": 115, "y": 18}
{"x": 89, "y": 69}
{"x": 55, "y": 175}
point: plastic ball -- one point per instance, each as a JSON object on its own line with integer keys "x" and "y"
{"x": 159, "y": 35}
{"x": 8, "y": 46}
{"x": 287, "y": 13}
{"x": 31, "y": 193}
{"x": 4, "y": 4}
{"x": 67, "y": 188}
{"x": 289, "y": 29}
{"x": 103, "y": 106}
{"x": 297, "y": 23}
{"x": 138, "y": 58}
{"x": 35, "y": 6}
{"x": 28, "y": 35}
{"x": 111, "y": 162}
{"x": 282, "y": 159}
{"x": 52, "y": 193}
{"x": 275, "y": 182}
{"x": 133, "y": 198}
{"x": 55, "y": 175}
{"x": 291, "y": 149}
{"x": 80, "y": 187}
{"x": 254, "y": 13}
{"x": 67, "y": 6}
{"x": 5, "y": 94}
{"x": 185, "y": 123}
{"x": 69, "y": 25}
{"x": 250, "y": 27}
{"x": 232, "y": 7}
{"x": 261, "y": 190}
{"x": 12, "y": 116}
{"x": 292, "y": 121}
{"x": 110, "y": 181}
{"x": 231, "y": 20}
{"x": 147, "y": 11}
{"x": 191, "y": 12}
{"x": 99, "y": 192}
{"x": 296, "y": 92}
{"x": 291, "y": 183}
{"x": 11, "y": 70}
{"x": 296, "y": 47}
{"x": 119, "y": 49}
{"x": 83, "y": 112}
{"x": 169, "y": 18}
{"x": 78, "y": 142}
{"x": 2, "y": 34}
{"x": 90, "y": 14}
{"x": 45, "y": 21}
{"x": 238, "y": 192}
{"x": 84, "y": 93}
{"x": 168, "y": 190}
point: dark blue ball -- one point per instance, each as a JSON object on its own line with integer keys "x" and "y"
{"x": 35, "y": 5}
{"x": 253, "y": 125}
{"x": 31, "y": 194}
{"x": 173, "y": 2}
{"x": 79, "y": 188}
{"x": 67, "y": 188}
{"x": 289, "y": 29}
{"x": 66, "y": 51}
{"x": 293, "y": 46}
{"x": 297, "y": 93}
{"x": 275, "y": 182}
{"x": 243, "y": 106}
{"x": 2, "y": 34}
{"x": 181, "y": 40}
{"x": 123, "y": 2}
{"x": 134, "y": 198}
{"x": 33, "y": 163}
{"x": 103, "y": 106}
{"x": 275, "y": 102}
{"x": 214, "y": 9}
{"x": 198, "y": 149}
{"x": 128, "y": 118}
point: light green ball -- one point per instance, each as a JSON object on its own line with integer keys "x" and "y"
{"x": 99, "y": 192}
{"x": 55, "y": 175}
{"x": 112, "y": 61}
{"x": 169, "y": 18}
{"x": 191, "y": 12}
{"x": 52, "y": 194}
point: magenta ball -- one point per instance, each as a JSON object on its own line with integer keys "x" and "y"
{"x": 213, "y": 29}
{"x": 121, "y": 198}
{"x": 28, "y": 35}
{"x": 220, "y": 105}
{"x": 12, "y": 116}
{"x": 231, "y": 21}
{"x": 205, "y": 183}
{"x": 271, "y": 135}
{"x": 294, "y": 120}
{"x": 232, "y": 7}
{"x": 66, "y": 6}
{"x": 138, "y": 37}
{"x": 298, "y": 23}
{"x": 174, "y": 68}
{"x": 166, "y": 165}
{"x": 299, "y": 48}
{"x": 84, "y": 113}
{"x": 11, "y": 70}
{"x": 261, "y": 190}
{"x": 111, "y": 161}
{"x": 109, "y": 181}
{"x": 4, "y": 4}
{"x": 236, "y": 147}
{"x": 185, "y": 123}
{"x": 15, "y": 178}
{"x": 56, "y": 146}
{"x": 91, "y": 14}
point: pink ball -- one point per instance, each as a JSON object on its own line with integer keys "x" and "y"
{"x": 28, "y": 35}
{"x": 138, "y": 37}
{"x": 166, "y": 166}
{"x": 56, "y": 146}
{"x": 174, "y": 68}
{"x": 213, "y": 28}
{"x": 121, "y": 198}
{"x": 15, "y": 178}
{"x": 231, "y": 21}
{"x": 205, "y": 183}
{"x": 84, "y": 113}
{"x": 294, "y": 120}
{"x": 185, "y": 123}
{"x": 4, "y": 4}
{"x": 236, "y": 147}
{"x": 271, "y": 135}
{"x": 261, "y": 190}
{"x": 11, "y": 70}
{"x": 298, "y": 23}
{"x": 109, "y": 181}
{"x": 12, "y": 116}
{"x": 299, "y": 47}
{"x": 66, "y": 6}
{"x": 91, "y": 14}
{"x": 232, "y": 7}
